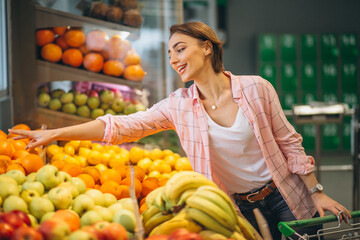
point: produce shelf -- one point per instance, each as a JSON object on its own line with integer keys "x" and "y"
{"x": 55, "y": 119}
{"x": 51, "y": 72}
{"x": 47, "y": 17}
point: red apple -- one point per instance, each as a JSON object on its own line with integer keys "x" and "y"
{"x": 178, "y": 233}
{"x": 54, "y": 229}
{"x": 26, "y": 233}
{"x": 93, "y": 230}
{"x": 24, "y": 217}
{"x": 12, "y": 218}
{"x": 158, "y": 237}
{"x": 115, "y": 231}
{"x": 6, "y": 230}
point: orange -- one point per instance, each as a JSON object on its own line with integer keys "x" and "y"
{"x": 113, "y": 68}
{"x": 116, "y": 48}
{"x": 96, "y": 40}
{"x": 6, "y": 159}
{"x": 134, "y": 73}
{"x": 15, "y": 166}
{"x": 110, "y": 174}
{"x": 3, "y": 166}
{"x": 72, "y": 169}
{"x": 19, "y": 153}
{"x": 59, "y": 30}
{"x": 3, "y": 134}
{"x": 163, "y": 181}
{"x": 122, "y": 170}
{"x": 92, "y": 171}
{"x": 59, "y": 164}
{"x": 132, "y": 58}
{"x": 83, "y": 49}
{"x": 72, "y": 57}
{"x": 139, "y": 173}
{"x": 74, "y": 38}
{"x": 136, "y": 154}
{"x": 88, "y": 180}
{"x": 148, "y": 185}
{"x": 17, "y": 144}
{"x": 61, "y": 42}
{"x": 21, "y": 126}
{"x": 70, "y": 217}
{"x": 111, "y": 187}
{"x": 31, "y": 163}
{"x": 125, "y": 191}
{"x": 6, "y": 148}
{"x": 138, "y": 187}
{"x": 51, "y": 52}
{"x": 143, "y": 207}
{"x": 44, "y": 36}
{"x": 93, "y": 62}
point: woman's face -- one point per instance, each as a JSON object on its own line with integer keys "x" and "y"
{"x": 187, "y": 56}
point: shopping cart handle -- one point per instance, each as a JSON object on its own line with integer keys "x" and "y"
{"x": 286, "y": 227}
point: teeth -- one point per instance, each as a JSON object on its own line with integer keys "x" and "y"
{"x": 180, "y": 68}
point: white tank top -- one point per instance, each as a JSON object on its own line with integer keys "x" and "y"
{"x": 235, "y": 156}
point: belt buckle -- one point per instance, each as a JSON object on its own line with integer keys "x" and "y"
{"x": 250, "y": 195}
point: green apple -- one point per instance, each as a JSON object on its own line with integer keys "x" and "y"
{"x": 55, "y": 104}
{"x": 33, "y": 221}
{"x": 97, "y": 196}
{"x": 54, "y": 229}
{"x": 69, "y": 108}
{"x": 83, "y": 111}
{"x": 31, "y": 177}
{"x": 60, "y": 197}
{"x": 109, "y": 199}
{"x": 118, "y": 105}
{"x": 105, "y": 106}
{"x": 106, "y": 96}
{"x": 115, "y": 207}
{"x": 49, "y": 176}
{"x": 46, "y": 216}
{"x": 28, "y": 195}
{"x": 82, "y": 204}
{"x": 101, "y": 225}
{"x": 93, "y": 102}
{"x": 6, "y": 179}
{"x": 57, "y": 93}
{"x": 40, "y": 206}
{"x": 140, "y": 107}
{"x": 43, "y": 99}
{"x": 110, "y": 111}
{"x": 97, "y": 112}
{"x": 89, "y": 218}
{"x": 69, "y": 186}
{"x": 129, "y": 109}
{"x": 65, "y": 177}
{"x": 80, "y": 99}
{"x": 1, "y": 201}
{"x": 17, "y": 175}
{"x": 15, "y": 203}
{"x": 81, "y": 235}
{"x": 105, "y": 213}
{"x": 126, "y": 203}
{"x": 8, "y": 188}
{"x": 46, "y": 196}
{"x": 37, "y": 186}
{"x": 79, "y": 184}
{"x": 126, "y": 218}
{"x": 67, "y": 98}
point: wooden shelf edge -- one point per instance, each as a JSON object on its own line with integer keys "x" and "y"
{"x": 51, "y": 72}
{"x": 55, "y": 119}
{"x": 47, "y": 17}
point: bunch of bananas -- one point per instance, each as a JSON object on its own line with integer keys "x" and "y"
{"x": 189, "y": 200}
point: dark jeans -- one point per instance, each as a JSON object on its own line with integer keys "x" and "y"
{"x": 275, "y": 210}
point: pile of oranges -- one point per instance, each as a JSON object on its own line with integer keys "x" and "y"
{"x": 14, "y": 156}
{"x": 94, "y": 51}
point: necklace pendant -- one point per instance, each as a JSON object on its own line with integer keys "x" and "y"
{"x": 213, "y": 107}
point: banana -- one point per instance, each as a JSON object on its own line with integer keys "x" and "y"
{"x": 207, "y": 221}
{"x": 237, "y": 236}
{"x": 148, "y": 213}
{"x": 211, "y": 235}
{"x": 156, "y": 220}
{"x": 212, "y": 210}
{"x": 150, "y": 197}
{"x": 158, "y": 201}
{"x": 168, "y": 227}
{"x": 246, "y": 228}
{"x": 185, "y": 195}
{"x": 182, "y": 181}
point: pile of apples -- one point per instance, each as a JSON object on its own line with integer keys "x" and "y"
{"x": 178, "y": 234}
{"x": 90, "y": 104}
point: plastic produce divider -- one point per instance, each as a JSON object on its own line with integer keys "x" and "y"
{"x": 139, "y": 229}
{"x": 286, "y": 227}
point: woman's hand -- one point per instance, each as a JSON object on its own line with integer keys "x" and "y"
{"x": 37, "y": 137}
{"x": 324, "y": 203}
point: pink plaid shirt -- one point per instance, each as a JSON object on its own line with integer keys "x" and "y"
{"x": 183, "y": 112}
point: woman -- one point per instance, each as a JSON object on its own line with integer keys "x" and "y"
{"x": 232, "y": 129}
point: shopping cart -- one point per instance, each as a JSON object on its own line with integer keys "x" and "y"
{"x": 344, "y": 229}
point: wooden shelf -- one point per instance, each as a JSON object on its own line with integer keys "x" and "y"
{"x": 51, "y": 72}
{"x": 55, "y": 119}
{"x": 46, "y": 17}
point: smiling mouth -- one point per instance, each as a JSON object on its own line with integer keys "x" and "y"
{"x": 181, "y": 69}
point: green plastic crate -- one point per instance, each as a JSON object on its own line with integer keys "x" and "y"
{"x": 267, "y": 47}
{"x": 308, "y": 47}
{"x": 288, "y": 47}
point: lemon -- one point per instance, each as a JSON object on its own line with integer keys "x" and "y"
{"x": 183, "y": 164}
{"x": 168, "y": 152}
{"x": 105, "y": 158}
{"x": 75, "y": 144}
{"x": 52, "y": 150}
{"x": 165, "y": 168}
{"x": 85, "y": 144}
{"x": 101, "y": 167}
{"x": 145, "y": 163}
{"x": 69, "y": 149}
{"x": 156, "y": 154}
{"x": 171, "y": 160}
{"x": 156, "y": 174}
{"x": 97, "y": 147}
{"x": 94, "y": 157}
{"x": 136, "y": 154}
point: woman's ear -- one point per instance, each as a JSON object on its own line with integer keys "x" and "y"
{"x": 208, "y": 47}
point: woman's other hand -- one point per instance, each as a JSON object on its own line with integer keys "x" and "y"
{"x": 324, "y": 203}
